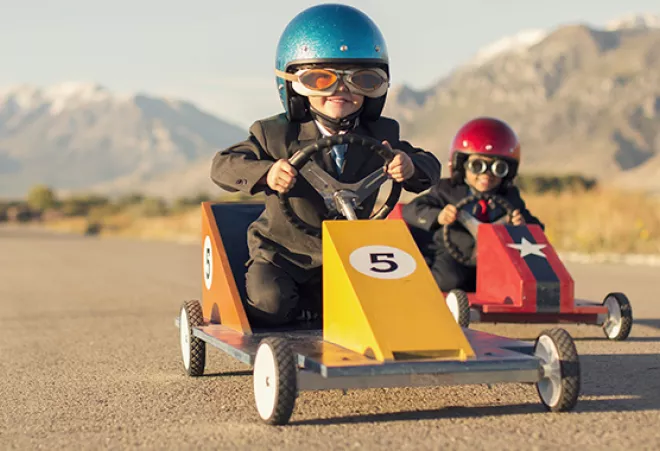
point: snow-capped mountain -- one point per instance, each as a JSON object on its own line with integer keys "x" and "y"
{"x": 523, "y": 40}
{"x": 517, "y": 43}
{"x": 78, "y": 135}
{"x": 635, "y": 21}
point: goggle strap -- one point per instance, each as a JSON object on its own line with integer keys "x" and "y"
{"x": 285, "y": 75}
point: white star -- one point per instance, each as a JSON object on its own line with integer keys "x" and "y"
{"x": 526, "y": 248}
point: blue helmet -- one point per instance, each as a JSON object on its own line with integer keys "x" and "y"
{"x": 329, "y": 33}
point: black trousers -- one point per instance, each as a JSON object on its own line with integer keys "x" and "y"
{"x": 450, "y": 274}
{"x": 276, "y": 297}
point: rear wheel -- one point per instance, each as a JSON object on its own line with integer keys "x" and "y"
{"x": 193, "y": 350}
{"x": 459, "y": 306}
{"x": 619, "y": 320}
{"x": 559, "y": 386}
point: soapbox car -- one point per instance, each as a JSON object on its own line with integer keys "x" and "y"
{"x": 520, "y": 278}
{"x": 384, "y": 323}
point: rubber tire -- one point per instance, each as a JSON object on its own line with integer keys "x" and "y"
{"x": 569, "y": 367}
{"x": 626, "y": 317}
{"x": 463, "y": 319}
{"x": 197, "y": 347}
{"x": 286, "y": 379}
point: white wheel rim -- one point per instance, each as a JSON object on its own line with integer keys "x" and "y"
{"x": 452, "y": 303}
{"x": 265, "y": 381}
{"x": 612, "y": 326}
{"x": 184, "y": 335}
{"x": 550, "y": 384}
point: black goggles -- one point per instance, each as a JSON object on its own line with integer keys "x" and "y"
{"x": 499, "y": 168}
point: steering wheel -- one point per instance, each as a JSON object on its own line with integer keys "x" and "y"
{"x": 471, "y": 224}
{"x": 340, "y": 197}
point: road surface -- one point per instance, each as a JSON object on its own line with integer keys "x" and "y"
{"x": 90, "y": 359}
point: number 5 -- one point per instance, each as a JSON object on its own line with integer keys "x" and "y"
{"x": 208, "y": 263}
{"x": 382, "y": 258}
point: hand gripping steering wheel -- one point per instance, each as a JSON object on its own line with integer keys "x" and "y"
{"x": 471, "y": 224}
{"x": 340, "y": 197}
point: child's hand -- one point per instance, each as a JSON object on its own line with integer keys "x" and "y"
{"x": 281, "y": 176}
{"x": 516, "y": 218}
{"x": 401, "y": 168}
{"x": 447, "y": 215}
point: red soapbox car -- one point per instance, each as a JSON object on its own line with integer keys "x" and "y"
{"x": 521, "y": 279}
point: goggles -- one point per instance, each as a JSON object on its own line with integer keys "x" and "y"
{"x": 324, "y": 82}
{"x": 499, "y": 168}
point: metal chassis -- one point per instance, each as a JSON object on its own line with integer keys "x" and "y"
{"x": 326, "y": 366}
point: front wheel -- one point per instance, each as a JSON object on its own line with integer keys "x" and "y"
{"x": 275, "y": 380}
{"x": 459, "y": 306}
{"x": 559, "y": 386}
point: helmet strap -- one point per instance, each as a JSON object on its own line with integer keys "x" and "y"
{"x": 336, "y": 125}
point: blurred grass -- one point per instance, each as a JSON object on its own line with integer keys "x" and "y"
{"x": 585, "y": 221}
{"x": 599, "y": 220}
{"x": 580, "y": 215}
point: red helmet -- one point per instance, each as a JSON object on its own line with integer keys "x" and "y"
{"x": 485, "y": 136}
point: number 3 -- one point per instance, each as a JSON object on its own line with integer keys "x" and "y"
{"x": 382, "y": 258}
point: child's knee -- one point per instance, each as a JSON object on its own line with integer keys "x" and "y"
{"x": 272, "y": 295}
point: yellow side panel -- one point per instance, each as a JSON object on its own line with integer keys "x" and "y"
{"x": 380, "y": 298}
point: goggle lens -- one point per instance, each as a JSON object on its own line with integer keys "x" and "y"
{"x": 367, "y": 80}
{"x": 499, "y": 168}
{"x": 318, "y": 79}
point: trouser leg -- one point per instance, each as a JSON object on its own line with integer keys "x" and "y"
{"x": 450, "y": 275}
{"x": 275, "y": 296}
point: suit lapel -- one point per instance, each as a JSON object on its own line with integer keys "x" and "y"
{"x": 461, "y": 191}
{"x": 309, "y": 133}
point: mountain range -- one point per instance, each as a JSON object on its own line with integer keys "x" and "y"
{"x": 77, "y": 136}
{"x": 583, "y": 99}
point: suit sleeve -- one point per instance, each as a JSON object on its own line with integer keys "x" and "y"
{"x": 241, "y": 166}
{"x": 427, "y": 166}
{"x": 519, "y": 204}
{"x": 423, "y": 211}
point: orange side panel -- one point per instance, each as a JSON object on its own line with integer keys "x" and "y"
{"x": 221, "y": 302}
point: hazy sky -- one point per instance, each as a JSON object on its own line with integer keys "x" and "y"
{"x": 220, "y": 53}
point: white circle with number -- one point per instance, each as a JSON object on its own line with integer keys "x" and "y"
{"x": 208, "y": 263}
{"x": 383, "y": 262}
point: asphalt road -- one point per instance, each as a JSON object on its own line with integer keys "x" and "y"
{"x": 90, "y": 359}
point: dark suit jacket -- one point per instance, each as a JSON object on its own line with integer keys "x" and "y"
{"x": 272, "y": 237}
{"x": 422, "y": 215}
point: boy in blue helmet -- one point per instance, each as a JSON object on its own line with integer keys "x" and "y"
{"x": 332, "y": 73}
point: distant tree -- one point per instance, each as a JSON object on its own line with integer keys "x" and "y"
{"x": 130, "y": 199}
{"x": 153, "y": 206}
{"x": 41, "y": 197}
{"x": 80, "y": 205}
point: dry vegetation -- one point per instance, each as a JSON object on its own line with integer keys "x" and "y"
{"x": 579, "y": 216}
{"x": 590, "y": 222}
{"x": 599, "y": 221}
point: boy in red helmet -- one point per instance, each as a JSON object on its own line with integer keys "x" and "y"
{"x": 484, "y": 159}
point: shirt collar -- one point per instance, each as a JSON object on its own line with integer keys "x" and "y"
{"x": 325, "y": 132}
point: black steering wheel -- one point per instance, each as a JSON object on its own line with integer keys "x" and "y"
{"x": 471, "y": 224}
{"x": 340, "y": 197}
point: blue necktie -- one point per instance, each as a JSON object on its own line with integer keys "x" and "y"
{"x": 339, "y": 154}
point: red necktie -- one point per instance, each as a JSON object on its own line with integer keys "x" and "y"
{"x": 481, "y": 210}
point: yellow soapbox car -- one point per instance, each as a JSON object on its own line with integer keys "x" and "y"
{"x": 385, "y": 322}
